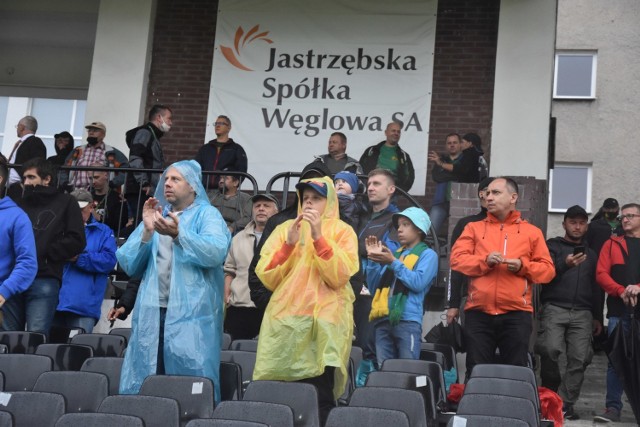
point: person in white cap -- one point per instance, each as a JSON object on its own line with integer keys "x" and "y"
{"x": 94, "y": 151}
{"x": 84, "y": 278}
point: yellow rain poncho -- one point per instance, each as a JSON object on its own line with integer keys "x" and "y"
{"x": 308, "y": 323}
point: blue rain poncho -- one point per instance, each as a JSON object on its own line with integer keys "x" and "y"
{"x": 194, "y": 319}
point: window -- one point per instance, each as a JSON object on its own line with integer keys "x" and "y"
{"x": 4, "y": 102}
{"x": 575, "y": 75}
{"x": 569, "y": 184}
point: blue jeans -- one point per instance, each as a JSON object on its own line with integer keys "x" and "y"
{"x": 35, "y": 307}
{"x": 67, "y": 319}
{"x": 397, "y": 342}
{"x": 614, "y": 386}
{"x": 160, "y": 366}
{"x": 438, "y": 215}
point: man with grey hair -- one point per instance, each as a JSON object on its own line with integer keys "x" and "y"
{"x": 28, "y": 147}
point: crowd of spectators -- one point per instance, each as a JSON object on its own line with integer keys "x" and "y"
{"x": 339, "y": 265}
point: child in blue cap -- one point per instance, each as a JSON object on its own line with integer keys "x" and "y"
{"x": 400, "y": 281}
{"x": 346, "y": 184}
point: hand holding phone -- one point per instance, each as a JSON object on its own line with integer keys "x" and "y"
{"x": 577, "y": 250}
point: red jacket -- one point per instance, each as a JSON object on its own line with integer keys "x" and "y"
{"x": 612, "y": 274}
{"x": 496, "y": 290}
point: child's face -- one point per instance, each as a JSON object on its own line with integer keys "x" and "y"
{"x": 311, "y": 200}
{"x": 408, "y": 234}
{"x": 342, "y": 187}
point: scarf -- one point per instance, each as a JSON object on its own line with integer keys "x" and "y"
{"x": 381, "y": 305}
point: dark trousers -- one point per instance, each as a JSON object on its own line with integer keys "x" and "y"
{"x": 243, "y": 323}
{"x": 509, "y": 332}
{"x": 365, "y": 331}
{"x": 324, "y": 384}
{"x": 160, "y": 366}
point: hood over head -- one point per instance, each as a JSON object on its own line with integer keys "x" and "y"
{"x": 191, "y": 171}
{"x": 323, "y": 184}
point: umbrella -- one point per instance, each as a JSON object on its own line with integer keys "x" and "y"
{"x": 623, "y": 350}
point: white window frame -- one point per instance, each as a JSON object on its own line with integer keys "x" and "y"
{"x": 589, "y": 184}
{"x": 594, "y": 69}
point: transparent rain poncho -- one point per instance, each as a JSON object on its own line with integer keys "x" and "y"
{"x": 308, "y": 324}
{"x": 194, "y": 319}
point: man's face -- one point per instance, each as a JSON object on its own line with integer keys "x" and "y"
{"x": 610, "y": 214}
{"x": 482, "y": 195}
{"x": 393, "y": 133}
{"x": 379, "y": 189}
{"x": 263, "y": 209}
{"x": 167, "y": 117}
{"x": 100, "y": 180}
{"x": 336, "y": 146}
{"x": 630, "y": 221}
{"x": 31, "y": 177}
{"x": 228, "y": 183}
{"x": 20, "y": 129}
{"x": 465, "y": 144}
{"x": 97, "y": 133}
{"x": 176, "y": 189}
{"x": 222, "y": 126}
{"x": 62, "y": 143}
{"x": 453, "y": 145}
{"x": 86, "y": 212}
{"x": 500, "y": 200}
{"x": 575, "y": 228}
{"x": 312, "y": 200}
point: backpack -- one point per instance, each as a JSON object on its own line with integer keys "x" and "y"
{"x": 483, "y": 168}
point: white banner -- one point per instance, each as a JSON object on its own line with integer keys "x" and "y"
{"x": 291, "y": 72}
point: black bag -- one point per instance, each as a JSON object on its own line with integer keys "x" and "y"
{"x": 447, "y": 334}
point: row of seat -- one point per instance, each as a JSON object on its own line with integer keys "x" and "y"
{"x": 111, "y": 345}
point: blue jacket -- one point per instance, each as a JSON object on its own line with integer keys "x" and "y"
{"x": 18, "y": 261}
{"x": 194, "y": 316}
{"x": 84, "y": 281}
{"x": 417, "y": 281}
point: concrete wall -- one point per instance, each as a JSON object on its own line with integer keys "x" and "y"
{"x": 523, "y": 87}
{"x": 120, "y": 67}
{"x": 602, "y": 131}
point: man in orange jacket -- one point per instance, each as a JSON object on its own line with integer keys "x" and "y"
{"x": 502, "y": 255}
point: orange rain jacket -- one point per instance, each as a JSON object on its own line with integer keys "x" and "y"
{"x": 496, "y": 290}
{"x": 308, "y": 323}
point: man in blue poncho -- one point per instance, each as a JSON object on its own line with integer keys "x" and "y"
{"x": 178, "y": 251}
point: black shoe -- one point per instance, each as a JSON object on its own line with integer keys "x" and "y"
{"x": 569, "y": 413}
{"x": 609, "y": 415}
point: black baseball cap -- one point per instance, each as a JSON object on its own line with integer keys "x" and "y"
{"x": 610, "y": 203}
{"x": 576, "y": 211}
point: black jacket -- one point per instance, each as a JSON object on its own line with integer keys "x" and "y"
{"x": 31, "y": 148}
{"x": 57, "y": 227}
{"x": 61, "y": 154}
{"x": 457, "y": 286}
{"x": 405, "y": 174}
{"x": 599, "y": 232}
{"x": 573, "y": 287}
{"x": 216, "y": 156}
{"x": 259, "y": 294}
{"x": 145, "y": 152}
{"x": 465, "y": 169}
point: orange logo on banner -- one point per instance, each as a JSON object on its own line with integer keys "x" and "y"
{"x": 232, "y": 54}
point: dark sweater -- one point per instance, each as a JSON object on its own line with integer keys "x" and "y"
{"x": 573, "y": 287}
{"x": 217, "y": 156}
{"x": 457, "y": 286}
{"x": 57, "y": 227}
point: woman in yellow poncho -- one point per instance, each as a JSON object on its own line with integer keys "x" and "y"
{"x": 307, "y": 327}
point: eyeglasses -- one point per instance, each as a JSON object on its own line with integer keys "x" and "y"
{"x": 627, "y": 216}
{"x": 221, "y": 124}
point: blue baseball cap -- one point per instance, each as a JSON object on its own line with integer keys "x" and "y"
{"x": 417, "y": 216}
{"x": 317, "y": 186}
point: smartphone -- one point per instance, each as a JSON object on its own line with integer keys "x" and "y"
{"x": 579, "y": 250}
